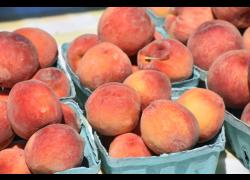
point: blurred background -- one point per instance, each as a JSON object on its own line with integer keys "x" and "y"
{"x": 15, "y": 13}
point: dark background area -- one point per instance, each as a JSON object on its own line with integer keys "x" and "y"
{"x": 15, "y": 13}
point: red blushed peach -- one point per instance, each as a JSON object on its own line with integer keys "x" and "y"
{"x": 239, "y": 16}
{"x": 128, "y": 145}
{"x": 19, "y": 59}
{"x": 211, "y": 39}
{"x": 161, "y": 11}
{"x": 208, "y": 109}
{"x": 12, "y": 161}
{"x": 232, "y": 86}
{"x": 151, "y": 85}
{"x": 119, "y": 112}
{"x": 56, "y": 79}
{"x": 70, "y": 117}
{"x": 185, "y": 20}
{"x": 78, "y": 48}
{"x": 44, "y": 43}
{"x": 31, "y": 106}
{"x": 245, "y": 116}
{"x": 168, "y": 127}
{"x": 54, "y": 148}
{"x": 103, "y": 63}
{"x": 130, "y": 28}
{"x": 6, "y": 133}
{"x": 168, "y": 56}
{"x": 4, "y": 94}
{"x": 246, "y": 38}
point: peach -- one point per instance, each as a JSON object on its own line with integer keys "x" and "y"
{"x": 168, "y": 56}
{"x": 246, "y": 38}
{"x": 161, "y": 11}
{"x": 208, "y": 109}
{"x": 70, "y": 117}
{"x": 151, "y": 85}
{"x": 130, "y": 28}
{"x": 78, "y": 48}
{"x": 6, "y": 133}
{"x": 113, "y": 109}
{"x": 168, "y": 127}
{"x": 44, "y": 43}
{"x": 31, "y": 106}
{"x": 103, "y": 63}
{"x": 20, "y": 144}
{"x": 211, "y": 39}
{"x": 56, "y": 79}
{"x": 128, "y": 145}
{"x": 245, "y": 116}
{"x": 12, "y": 161}
{"x": 239, "y": 16}
{"x": 19, "y": 60}
{"x": 54, "y": 148}
{"x": 185, "y": 20}
{"x": 232, "y": 86}
{"x": 4, "y": 94}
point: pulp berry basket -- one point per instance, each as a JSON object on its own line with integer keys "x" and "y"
{"x": 83, "y": 93}
{"x": 238, "y": 138}
{"x": 91, "y": 163}
{"x": 200, "y": 160}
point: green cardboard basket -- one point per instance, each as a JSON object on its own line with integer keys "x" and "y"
{"x": 91, "y": 163}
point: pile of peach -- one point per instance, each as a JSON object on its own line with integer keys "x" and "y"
{"x": 38, "y": 134}
{"x": 130, "y": 73}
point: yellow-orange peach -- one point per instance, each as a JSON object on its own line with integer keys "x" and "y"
{"x": 151, "y": 85}
{"x": 6, "y": 132}
{"x": 130, "y": 28}
{"x": 128, "y": 145}
{"x": 44, "y": 43}
{"x": 103, "y": 63}
{"x": 168, "y": 127}
{"x": 12, "y": 161}
{"x": 233, "y": 86}
{"x": 78, "y": 48}
{"x": 113, "y": 109}
{"x": 184, "y": 21}
{"x": 211, "y": 39}
{"x": 54, "y": 148}
{"x": 208, "y": 109}
{"x": 56, "y": 79}
{"x": 31, "y": 106}
{"x": 168, "y": 56}
{"x": 19, "y": 59}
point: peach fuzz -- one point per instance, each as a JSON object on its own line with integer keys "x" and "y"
{"x": 168, "y": 56}
{"x": 78, "y": 48}
{"x": 103, "y": 63}
{"x": 127, "y": 146}
{"x": 19, "y": 60}
{"x": 184, "y": 21}
{"x": 54, "y": 148}
{"x": 151, "y": 85}
{"x": 70, "y": 117}
{"x": 6, "y": 133}
{"x": 208, "y": 109}
{"x": 119, "y": 112}
{"x": 130, "y": 28}
{"x": 246, "y": 38}
{"x": 239, "y": 16}
{"x": 211, "y": 39}
{"x": 233, "y": 86}
{"x": 31, "y": 106}
{"x": 44, "y": 43}
{"x": 168, "y": 127}
{"x": 12, "y": 161}
{"x": 56, "y": 79}
{"x": 245, "y": 116}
